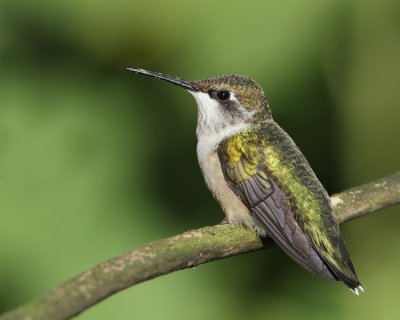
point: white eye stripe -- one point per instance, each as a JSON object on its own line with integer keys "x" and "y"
{"x": 233, "y": 97}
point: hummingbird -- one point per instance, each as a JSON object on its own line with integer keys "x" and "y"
{"x": 259, "y": 176}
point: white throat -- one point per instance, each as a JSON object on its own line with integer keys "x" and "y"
{"x": 212, "y": 124}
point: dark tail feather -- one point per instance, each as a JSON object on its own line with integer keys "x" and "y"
{"x": 351, "y": 282}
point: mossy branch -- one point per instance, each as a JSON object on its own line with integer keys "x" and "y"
{"x": 183, "y": 251}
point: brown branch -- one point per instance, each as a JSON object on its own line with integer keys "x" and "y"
{"x": 183, "y": 251}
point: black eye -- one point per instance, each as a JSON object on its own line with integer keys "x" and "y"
{"x": 223, "y": 95}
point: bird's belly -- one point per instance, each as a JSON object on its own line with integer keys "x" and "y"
{"x": 235, "y": 211}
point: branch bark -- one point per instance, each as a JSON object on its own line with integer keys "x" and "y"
{"x": 186, "y": 250}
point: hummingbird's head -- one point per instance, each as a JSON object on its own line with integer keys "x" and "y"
{"x": 237, "y": 97}
{"x": 223, "y": 101}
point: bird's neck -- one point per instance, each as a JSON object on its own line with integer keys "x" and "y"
{"x": 208, "y": 138}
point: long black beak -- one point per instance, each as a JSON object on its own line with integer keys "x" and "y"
{"x": 178, "y": 81}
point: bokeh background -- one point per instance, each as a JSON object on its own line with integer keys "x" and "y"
{"x": 95, "y": 160}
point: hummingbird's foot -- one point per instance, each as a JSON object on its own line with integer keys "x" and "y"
{"x": 224, "y": 221}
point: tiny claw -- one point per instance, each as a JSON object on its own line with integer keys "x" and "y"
{"x": 224, "y": 221}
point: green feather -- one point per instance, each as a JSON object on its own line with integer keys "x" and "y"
{"x": 268, "y": 151}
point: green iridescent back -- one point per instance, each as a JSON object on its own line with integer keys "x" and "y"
{"x": 264, "y": 161}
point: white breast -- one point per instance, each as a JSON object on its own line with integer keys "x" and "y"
{"x": 212, "y": 129}
{"x": 234, "y": 209}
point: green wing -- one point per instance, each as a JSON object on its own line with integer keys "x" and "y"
{"x": 272, "y": 178}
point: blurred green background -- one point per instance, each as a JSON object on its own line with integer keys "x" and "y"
{"x": 91, "y": 156}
